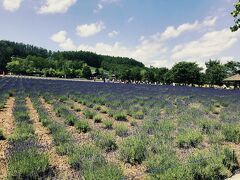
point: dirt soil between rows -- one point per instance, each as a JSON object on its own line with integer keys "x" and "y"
{"x": 58, "y": 163}
{"x": 7, "y": 125}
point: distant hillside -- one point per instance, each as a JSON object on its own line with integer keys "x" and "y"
{"x": 10, "y": 49}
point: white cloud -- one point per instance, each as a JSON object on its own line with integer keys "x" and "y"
{"x": 63, "y": 41}
{"x": 155, "y": 50}
{"x": 100, "y": 6}
{"x": 151, "y": 50}
{"x": 87, "y": 30}
{"x": 141, "y": 38}
{"x": 56, "y": 6}
{"x": 130, "y": 19}
{"x": 12, "y": 5}
{"x": 226, "y": 59}
{"x": 113, "y": 34}
{"x": 210, "y": 44}
{"x": 107, "y": 49}
{"x": 102, "y": 3}
{"x": 172, "y": 32}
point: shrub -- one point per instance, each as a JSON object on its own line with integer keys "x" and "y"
{"x": 216, "y": 138}
{"x": 59, "y": 111}
{"x": 106, "y": 172}
{"x": 138, "y": 115}
{"x": 133, "y": 122}
{"x": 215, "y": 110}
{"x": 108, "y": 124}
{"x": 149, "y": 126}
{"x": 54, "y": 127}
{"x": 111, "y": 113}
{"x": 207, "y": 168}
{"x": 160, "y": 166}
{"x": 120, "y": 116}
{"x": 2, "y": 105}
{"x": 85, "y": 157}
{"x": 97, "y": 119}
{"x": 217, "y": 104}
{"x": 10, "y": 94}
{"x": 77, "y": 109}
{"x": 232, "y": 133}
{"x": 1, "y": 135}
{"x": 61, "y": 137}
{"x": 21, "y": 117}
{"x": 22, "y": 132}
{"x": 189, "y": 138}
{"x": 83, "y": 102}
{"x": 121, "y": 130}
{"x": 133, "y": 150}
{"x": 71, "y": 120}
{"x": 63, "y": 98}
{"x": 230, "y": 159}
{"x": 216, "y": 164}
{"x": 45, "y": 122}
{"x": 28, "y": 164}
{"x": 83, "y": 126}
{"x": 88, "y": 114}
{"x": 104, "y": 140}
{"x": 97, "y": 108}
{"x": 64, "y": 148}
{"x": 103, "y": 110}
{"x": 89, "y": 104}
{"x": 209, "y": 126}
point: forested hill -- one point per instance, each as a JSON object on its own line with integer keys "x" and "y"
{"x": 10, "y": 49}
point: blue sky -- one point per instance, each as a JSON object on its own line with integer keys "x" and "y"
{"x": 156, "y": 32}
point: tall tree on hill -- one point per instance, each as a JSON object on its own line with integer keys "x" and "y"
{"x": 236, "y": 15}
{"x": 135, "y": 74}
{"x": 86, "y": 72}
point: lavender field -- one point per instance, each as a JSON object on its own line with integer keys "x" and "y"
{"x": 85, "y": 130}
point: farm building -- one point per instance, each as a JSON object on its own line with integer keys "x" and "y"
{"x": 233, "y": 80}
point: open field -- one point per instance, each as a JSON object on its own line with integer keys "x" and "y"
{"x": 83, "y": 130}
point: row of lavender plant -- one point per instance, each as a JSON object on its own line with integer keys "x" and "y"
{"x": 86, "y": 158}
{"x": 25, "y": 160}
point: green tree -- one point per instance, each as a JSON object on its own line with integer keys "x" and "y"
{"x": 169, "y": 77}
{"x": 135, "y": 74}
{"x": 215, "y": 72}
{"x": 14, "y": 67}
{"x": 149, "y": 75}
{"x": 86, "y": 72}
{"x": 186, "y": 72}
{"x": 97, "y": 71}
{"x": 236, "y": 15}
{"x": 160, "y": 74}
{"x": 232, "y": 68}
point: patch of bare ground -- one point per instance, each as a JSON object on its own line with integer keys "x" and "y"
{"x": 79, "y": 138}
{"x": 58, "y": 163}
{"x": 7, "y": 125}
{"x": 235, "y": 177}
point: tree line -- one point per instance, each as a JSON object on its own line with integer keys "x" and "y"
{"x": 24, "y": 59}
